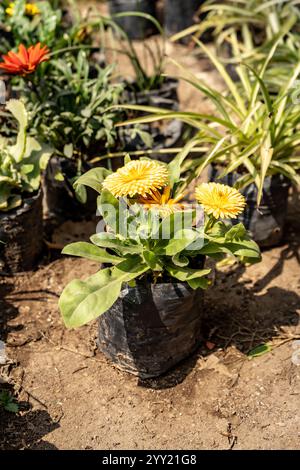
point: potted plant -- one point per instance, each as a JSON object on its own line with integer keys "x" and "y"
{"x": 68, "y": 100}
{"x": 251, "y": 141}
{"x": 21, "y": 218}
{"x": 137, "y": 26}
{"x": 149, "y": 294}
{"x": 255, "y": 21}
{"x": 149, "y": 87}
{"x": 71, "y": 113}
{"x": 43, "y": 21}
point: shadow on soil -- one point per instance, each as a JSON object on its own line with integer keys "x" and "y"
{"x": 238, "y": 314}
{"x": 26, "y": 428}
{"x": 8, "y": 312}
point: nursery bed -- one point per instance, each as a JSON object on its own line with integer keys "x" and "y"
{"x": 71, "y": 397}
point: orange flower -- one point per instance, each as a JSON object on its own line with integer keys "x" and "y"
{"x": 25, "y": 61}
{"x": 162, "y": 202}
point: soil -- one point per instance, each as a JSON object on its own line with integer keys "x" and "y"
{"x": 71, "y": 397}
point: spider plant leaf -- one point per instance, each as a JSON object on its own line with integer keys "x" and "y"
{"x": 226, "y": 77}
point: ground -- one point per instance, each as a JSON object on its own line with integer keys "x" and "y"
{"x": 71, "y": 397}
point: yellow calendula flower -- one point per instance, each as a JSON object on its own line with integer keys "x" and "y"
{"x": 162, "y": 202}
{"x": 30, "y": 9}
{"x": 137, "y": 178}
{"x": 220, "y": 200}
{"x": 10, "y": 9}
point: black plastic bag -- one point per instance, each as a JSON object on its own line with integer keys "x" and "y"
{"x": 164, "y": 134}
{"x": 266, "y": 222}
{"x": 135, "y": 27}
{"x": 179, "y": 15}
{"x": 152, "y": 327}
{"x": 60, "y": 198}
{"x": 21, "y": 231}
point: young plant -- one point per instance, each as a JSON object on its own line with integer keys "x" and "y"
{"x": 20, "y": 164}
{"x": 151, "y": 235}
{"x": 7, "y": 401}
{"x": 154, "y": 54}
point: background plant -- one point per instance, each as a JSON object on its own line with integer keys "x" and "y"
{"x": 255, "y": 24}
{"x": 255, "y": 21}
{"x": 20, "y": 164}
{"x": 52, "y": 26}
{"x": 69, "y": 105}
{"x": 7, "y": 401}
{"x": 252, "y": 131}
{"x": 118, "y": 42}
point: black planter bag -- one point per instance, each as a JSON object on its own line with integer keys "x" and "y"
{"x": 21, "y": 230}
{"x": 179, "y": 15}
{"x": 166, "y": 96}
{"x": 266, "y": 223}
{"x": 60, "y": 197}
{"x": 134, "y": 26}
{"x": 152, "y": 327}
{"x": 165, "y": 134}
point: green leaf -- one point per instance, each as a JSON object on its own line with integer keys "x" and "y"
{"x": 180, "y": 260}
{"x": 259, "y": 350}
{"x": 110, "y": 240}
{"x": 236, "y": 232}
{"x": 72, "y": 302}
{"x": 83, "y": 301}
{"x": 152, "y": 261}
{"x": 110, "y": 208}
{"x": 81, "y": 195}
{"x": 12, "y": 407}
{"x": 194, "y": 277}
{"x": 17, "y": 108}
{"x": 226, "y": 77}
{"x": 179, "y": 242}
{"x": 68, "y": 150}
{"x": 127, "y": 159}
{"x": 176, "y": 164}
{"x": 244, "y": 249}
{"x": 89, "y": 251}
{"x": 93, "y": 179}
{"x": 59, "y": 176}
{"x": 7, "y": 401}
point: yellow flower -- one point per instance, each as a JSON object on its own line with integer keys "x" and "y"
{"x": 162, "y": 202}
{"x": 10, "y": 9}
{"x": 137, "y": 178}
{"x": 30, "y": 9}
{"x": 220, "y": 200}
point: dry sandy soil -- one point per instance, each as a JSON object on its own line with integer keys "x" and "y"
{"x": 70, "y": 397}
